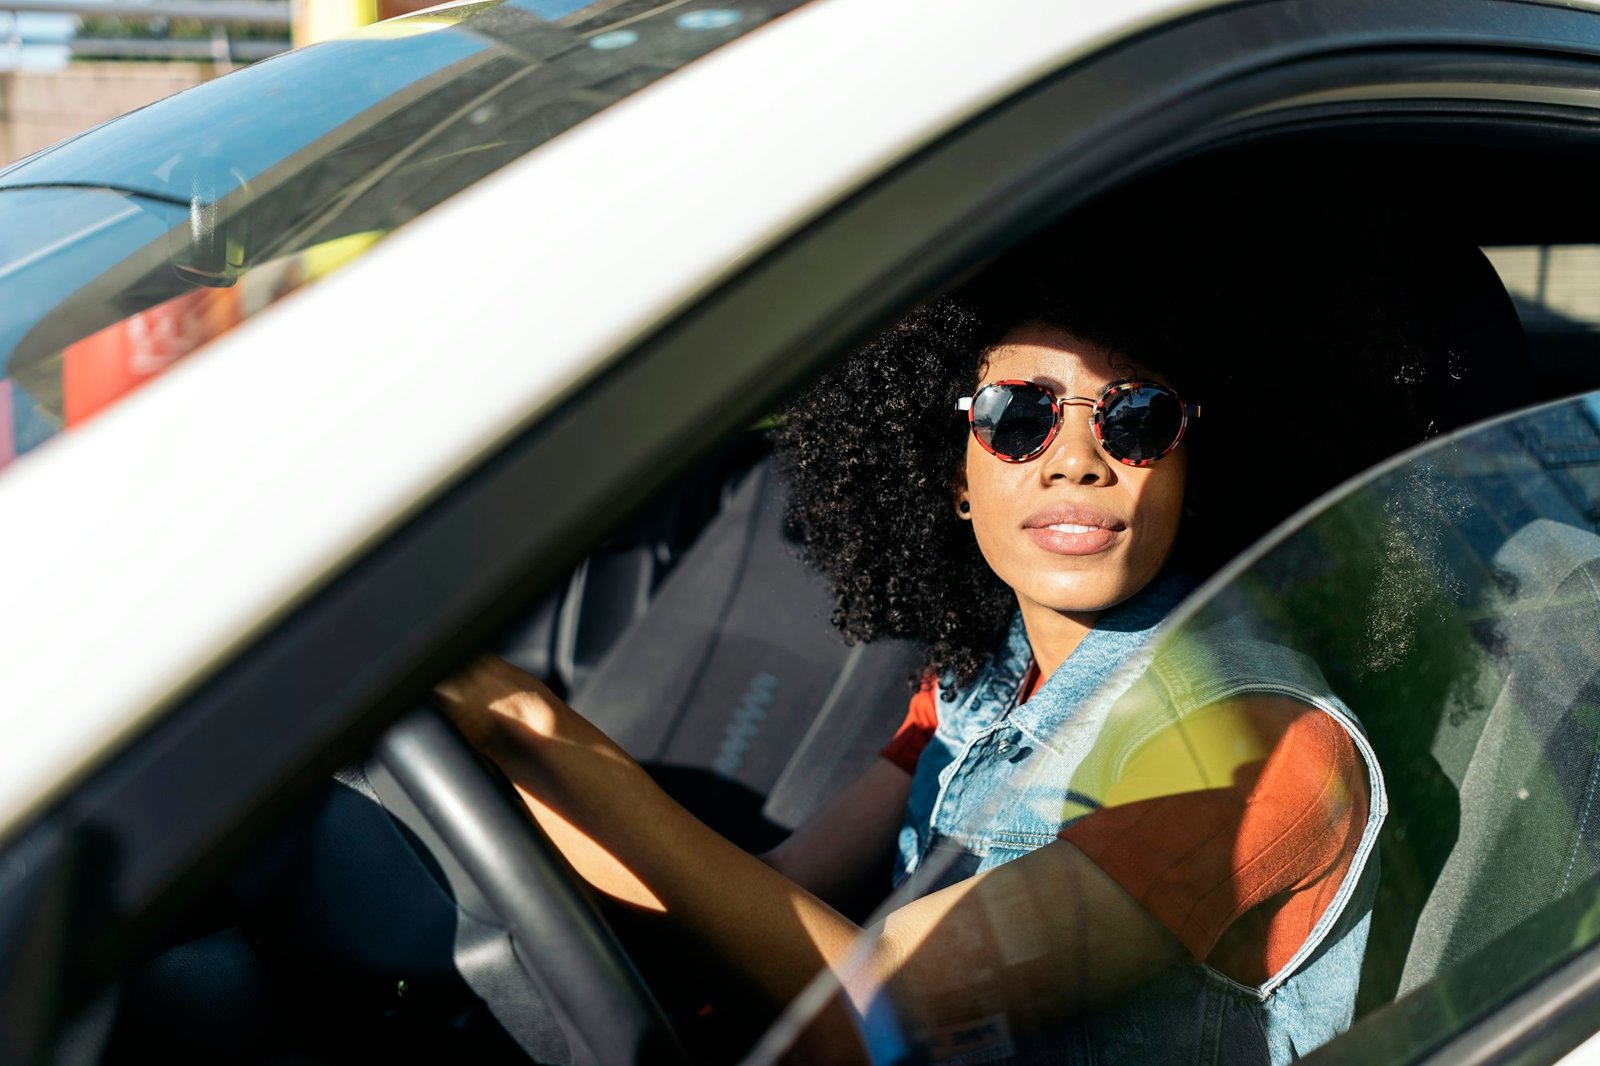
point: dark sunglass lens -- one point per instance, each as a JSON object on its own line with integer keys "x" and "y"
{"x": 1141, "y": 424}
{"x": 1013, "y": 420}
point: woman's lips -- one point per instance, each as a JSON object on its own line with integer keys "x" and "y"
{"x": 1054, "y": 539}
{"x": 1074, "y": 530}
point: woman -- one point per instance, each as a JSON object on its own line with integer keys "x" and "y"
{"x": 1009, "y": 476}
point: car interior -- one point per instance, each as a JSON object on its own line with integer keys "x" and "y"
{"x": 694, "y": 636}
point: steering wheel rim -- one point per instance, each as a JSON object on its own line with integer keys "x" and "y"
{"x": 561, "y": 938}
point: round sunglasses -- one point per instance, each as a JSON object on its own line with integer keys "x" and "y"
{"x": 1136, "y": 422}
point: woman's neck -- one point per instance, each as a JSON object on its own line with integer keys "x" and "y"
{"x": 1054, "y": 635}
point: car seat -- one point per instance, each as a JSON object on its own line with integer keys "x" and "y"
{"x": 734, "y": 688}
{"x": 1509, "y": 691}
{"x": 1530, "y": 830}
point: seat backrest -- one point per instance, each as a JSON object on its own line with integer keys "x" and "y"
{"x": 734, "y": 683}
{"x": 563, "y": 637}
{"x": 1529, "y": 816}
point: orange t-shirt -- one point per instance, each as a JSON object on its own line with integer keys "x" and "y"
{"x": 1240, "y": 874}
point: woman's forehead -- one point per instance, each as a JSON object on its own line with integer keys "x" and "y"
{"x": 1057, "y": 358}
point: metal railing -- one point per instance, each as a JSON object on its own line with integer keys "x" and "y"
{"x": 225, "y": 12}
{"x": 176, "y": 48}
{"x": 219, "y": 47}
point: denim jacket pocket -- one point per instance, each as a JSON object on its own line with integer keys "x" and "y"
{"x": 1005, "y": 845}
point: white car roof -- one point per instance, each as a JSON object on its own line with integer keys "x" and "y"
{"x": 144, "y": 549}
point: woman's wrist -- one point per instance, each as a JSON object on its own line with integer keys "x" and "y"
{"x": 498, "y": 707}
{"x": 518, "y": 721}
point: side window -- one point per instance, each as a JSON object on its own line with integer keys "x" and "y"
{"x": 1450, "y": 603}
{"x": 1472, "y": 659}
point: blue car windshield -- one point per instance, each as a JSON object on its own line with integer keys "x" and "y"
{"x": 128, "y": 247}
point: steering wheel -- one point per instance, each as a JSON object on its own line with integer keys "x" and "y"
{"x": 472, "y": 823}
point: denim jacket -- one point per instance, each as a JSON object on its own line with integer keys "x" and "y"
{"x": 999, "y": 780}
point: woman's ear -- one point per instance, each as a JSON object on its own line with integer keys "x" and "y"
{"x": 958, "y": 493}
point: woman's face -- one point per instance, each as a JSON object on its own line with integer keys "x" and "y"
{"x": 1073, "y": 530}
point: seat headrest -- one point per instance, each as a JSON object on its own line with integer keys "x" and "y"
{"x": 1486, "y": 368}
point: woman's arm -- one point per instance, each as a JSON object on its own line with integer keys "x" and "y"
{"x": 634, "y": 843}
{"x": 845, "y": 853}
{"x": 1056, "y": 933}
{"x": 1043, "y": 938}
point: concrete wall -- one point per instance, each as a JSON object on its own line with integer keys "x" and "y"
{"x": 39, "y": 109}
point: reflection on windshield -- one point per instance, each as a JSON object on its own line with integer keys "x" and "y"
{"x": 313, "y": 93}
{"x": 289, "y": 168}
{"x": 1444, "y": 619}
{"x": 103, "y": 366}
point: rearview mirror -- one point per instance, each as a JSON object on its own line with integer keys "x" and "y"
{"x": 212, "y": 245}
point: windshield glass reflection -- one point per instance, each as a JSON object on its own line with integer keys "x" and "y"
{"x": 278, "y": 174}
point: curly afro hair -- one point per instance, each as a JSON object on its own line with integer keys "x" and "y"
{"x": 1281, "y": 319}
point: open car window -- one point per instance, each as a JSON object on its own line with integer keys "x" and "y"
{"x": 1450, "y": 601}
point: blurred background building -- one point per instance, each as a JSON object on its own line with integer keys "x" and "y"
{"x": 67, "y": 65}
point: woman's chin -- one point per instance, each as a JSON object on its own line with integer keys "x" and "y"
{"x": 1077, "y": 595}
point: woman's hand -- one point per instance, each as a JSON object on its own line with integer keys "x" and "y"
{"x": 633, "y": 843}
{"x": 490, "y": 694}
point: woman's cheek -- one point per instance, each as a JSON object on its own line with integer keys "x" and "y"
{"x": 1160, "y": 511}
{"x": 992, "y": 545}
{"x": 992, "y": 493}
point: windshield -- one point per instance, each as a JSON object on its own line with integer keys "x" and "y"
{"x": 1440, "y": 621}
{"x": 128, "y": 247}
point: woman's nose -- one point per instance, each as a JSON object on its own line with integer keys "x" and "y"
{"x": 1075, "y": 455}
